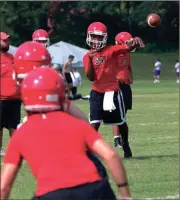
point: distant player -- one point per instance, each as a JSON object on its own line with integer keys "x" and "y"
{"x": 67, "y": 69}
{"x": 125, "y": 78}
{"x": 176, "y": 68}
{"x": 41, "y": 36}
{"x": 10, "y": 103}
{"x": 157, "y": 71}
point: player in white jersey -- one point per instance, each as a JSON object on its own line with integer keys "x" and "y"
{"x": 157, "y": 71}
{"x": 77, "y": 81}
{"x": 177, "y": 66}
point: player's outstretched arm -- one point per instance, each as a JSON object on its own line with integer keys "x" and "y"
{"x": 114, "y": 164}
{"x": 8, "y": 175}
{"x": 76, "y": 112}
{"x": 119, "y": 49}
{"x": 96, "y": 144}
{"x": 12, "y": 164}
{"x": 137, "y": 41}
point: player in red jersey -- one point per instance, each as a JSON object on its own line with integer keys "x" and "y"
{"x": 68, "y": 173}
{"x": 32, "y": 55}
{"x": 125, "y": 78}
{"x": 106, "y": 101}
{"x": 10, "y": 103}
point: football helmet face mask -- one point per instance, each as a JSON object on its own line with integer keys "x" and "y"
{"x": 41, "y": 36}
{"x": 29, "y": 56}
{"x": 97, "y": 35}
{"x": 43, "y": 90}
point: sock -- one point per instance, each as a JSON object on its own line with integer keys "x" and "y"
{"x": 124, "y": 130}
{"x": 118, "y": 136}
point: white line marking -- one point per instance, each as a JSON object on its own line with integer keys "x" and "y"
{"x": 157, "y": 138}
{"x": 144, "y": 124}
{"x": 147, "y": 124}
{"x": 167, "y": 197}
{"x": 171, "y": 113}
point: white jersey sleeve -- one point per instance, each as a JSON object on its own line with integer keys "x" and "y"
{"x": 158, "y": 65}
{"x": 177, "y": 66}
{"x": 79, "y": 78}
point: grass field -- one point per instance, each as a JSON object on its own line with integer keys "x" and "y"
{"x": 154, "y": 133}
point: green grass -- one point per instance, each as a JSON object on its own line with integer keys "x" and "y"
{"x": 154, "y": 127}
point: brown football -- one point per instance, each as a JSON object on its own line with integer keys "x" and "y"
{"x": 153, "y": 20}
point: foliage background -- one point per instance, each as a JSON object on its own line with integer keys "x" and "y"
{"x": 21, "y": 18}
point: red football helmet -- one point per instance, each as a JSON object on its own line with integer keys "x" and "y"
{"x": 96, "y": 35}
{"x": 123, "y": 38}
{"x": 29, "y": 56}
{"x": 43, "y": 90}
{"x": 41, "y": 36}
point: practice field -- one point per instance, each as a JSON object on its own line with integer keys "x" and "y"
{"x": 153, "y": 172}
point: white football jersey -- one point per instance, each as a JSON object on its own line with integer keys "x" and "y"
{"x": 158, "y": 65}
{"x": 177, "y": 67}
{"x": 76, "y": 78}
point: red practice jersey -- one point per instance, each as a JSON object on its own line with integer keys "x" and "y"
{"x": 9, "y": 88}
{"x": 124, "y": 65}
{"x": 54, "y": 145}
{"x": 106, "y": 69}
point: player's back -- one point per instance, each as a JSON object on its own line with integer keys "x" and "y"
{"x": 54, "y": 146}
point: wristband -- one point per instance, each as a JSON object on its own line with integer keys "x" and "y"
{"x": 122, "y": 185}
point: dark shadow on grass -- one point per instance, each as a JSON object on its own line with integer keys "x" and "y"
{"x": 149, "y": 157}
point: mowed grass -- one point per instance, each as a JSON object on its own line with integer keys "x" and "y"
{"x": 154, "y": 133}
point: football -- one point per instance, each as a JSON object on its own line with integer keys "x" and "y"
{"x": 153, "y": 20}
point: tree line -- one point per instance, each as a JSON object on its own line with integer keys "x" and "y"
{"x": 68, "y": 21}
